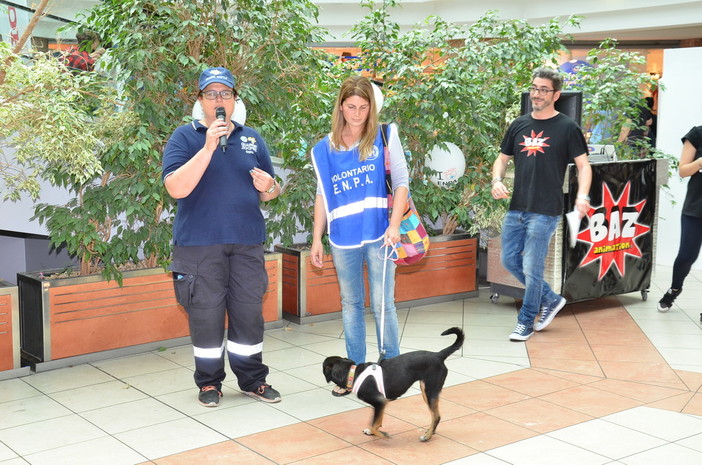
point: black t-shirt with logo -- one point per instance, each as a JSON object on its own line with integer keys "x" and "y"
{"x": 693, "y": 199}
{"x": 542, "y": 149}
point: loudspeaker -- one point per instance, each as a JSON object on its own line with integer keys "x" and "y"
{"x": 570, "y": 103}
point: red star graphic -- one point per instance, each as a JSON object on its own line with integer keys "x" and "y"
{"x": 535, "y": 143}
{"x": 612, "y": 234}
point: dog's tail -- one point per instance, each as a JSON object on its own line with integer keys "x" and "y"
{"x": 460, "y": 337}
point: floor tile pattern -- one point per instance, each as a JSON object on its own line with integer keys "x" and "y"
{"x": 610, "y": 381}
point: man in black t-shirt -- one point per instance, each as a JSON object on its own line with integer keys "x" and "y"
{"x": 541, "y": 144}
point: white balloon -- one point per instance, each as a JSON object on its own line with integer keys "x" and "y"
{"x": 239, "y": 111}
{"x": 379, "y": 98}
{"x": 197, "y": 111}
{"x": 450, "y": 164}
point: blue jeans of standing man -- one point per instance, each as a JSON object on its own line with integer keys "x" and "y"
{"x": 349, "y": 270}
{"x": 525, "y": 240}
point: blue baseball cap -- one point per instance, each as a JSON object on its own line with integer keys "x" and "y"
{"x": 221, "y": 75}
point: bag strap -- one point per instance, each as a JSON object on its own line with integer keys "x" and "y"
{"x": 388, "y": 185}
{"x": 386, "y": 151}
{"x": 383, "y": 130}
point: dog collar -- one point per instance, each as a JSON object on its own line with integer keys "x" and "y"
{"x": 349, "y": 381}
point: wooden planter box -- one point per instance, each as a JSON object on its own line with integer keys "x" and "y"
{"x": 309, "y": 293}
{"x": 10, "y": 365}
{"x": 273, "y": 298}
{"x": 79, "y": 316}
{"x": 448, "y": 272}
{"x": 68, "y": 317}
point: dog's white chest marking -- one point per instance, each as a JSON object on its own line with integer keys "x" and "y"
{"x": 374, "y": 371}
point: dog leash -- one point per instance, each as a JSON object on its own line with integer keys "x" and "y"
{"x": 388, "y": 251}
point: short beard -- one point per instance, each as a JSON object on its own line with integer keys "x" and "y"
{"x": 538, "y": 106}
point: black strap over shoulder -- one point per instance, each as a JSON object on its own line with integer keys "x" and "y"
{"x": 388, "y": 177}
{"x": 383, "y": 133}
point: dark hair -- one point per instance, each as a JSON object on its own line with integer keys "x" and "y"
{"x": 86, "y": 35}
{"x": 551, "y": 74}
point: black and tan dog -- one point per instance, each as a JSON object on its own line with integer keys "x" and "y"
{"x": 398, "y": 375}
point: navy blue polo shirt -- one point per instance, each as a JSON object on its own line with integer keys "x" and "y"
{"x": 224, "y": 206}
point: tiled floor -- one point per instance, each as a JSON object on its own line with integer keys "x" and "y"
{"x": 611, "y": 381}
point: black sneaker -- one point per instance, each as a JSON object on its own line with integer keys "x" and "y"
{"x": 548, "y": 313}
{"x": 521, "y": 333}
{"x": 209, "y": 396}
{"x": 668, "y": 298}
{"x": 265, "y": 393}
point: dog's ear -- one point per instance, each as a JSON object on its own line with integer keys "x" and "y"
{"x": 328, "y": 366}
{"x": 326, "y": 370}
{"x": 336, "y": 369}
{"x": 341, "y": 371}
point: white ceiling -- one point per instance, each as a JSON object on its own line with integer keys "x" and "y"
{"x": 638, "y": 20}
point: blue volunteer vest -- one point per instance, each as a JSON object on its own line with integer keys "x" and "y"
{"x": 354, "y": 192}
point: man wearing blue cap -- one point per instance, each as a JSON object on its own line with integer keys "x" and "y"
{"x": 219, "y": 171}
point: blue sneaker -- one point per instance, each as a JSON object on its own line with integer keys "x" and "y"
{"x": 521, "y": 333}
{"x": 548, "y": 313}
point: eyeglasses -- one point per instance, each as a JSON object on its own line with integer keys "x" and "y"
{"x": 540, "y": 90}
{"x": 225, "y": 94}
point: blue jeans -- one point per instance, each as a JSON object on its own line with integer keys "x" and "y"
{"x": 349, "y": 270}
{"x": 525, "y": 240}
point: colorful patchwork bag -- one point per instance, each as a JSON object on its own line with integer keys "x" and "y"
{"x": 414, "y": 240}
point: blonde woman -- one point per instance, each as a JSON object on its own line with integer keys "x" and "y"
{"x": 351, "y": 204}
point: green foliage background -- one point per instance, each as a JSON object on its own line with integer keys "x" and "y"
{"x": 442, "y": 83}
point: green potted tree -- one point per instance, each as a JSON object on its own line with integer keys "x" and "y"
{"x": 122, "y": 219}
{"x": 46, "y": 126}
{"x": 455, "y": 84}
{"x": 56, "y": 126}
{"x": 460, "y": 85}
{"x": 442, "y": 83}
{"x": 612, "y": 87}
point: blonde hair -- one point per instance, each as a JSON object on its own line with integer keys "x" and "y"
{"x": 360, "y": 86}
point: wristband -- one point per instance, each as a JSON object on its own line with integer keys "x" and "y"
{"x": 495, "y": 180}
{"x": 583, "y": 197}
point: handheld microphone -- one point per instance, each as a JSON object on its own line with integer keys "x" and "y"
{"x": 221, "y": 114}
